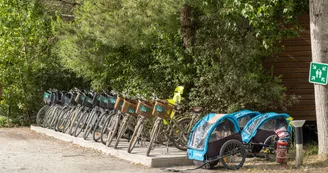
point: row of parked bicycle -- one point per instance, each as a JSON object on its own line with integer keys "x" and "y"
{"x": 110, "y": 117}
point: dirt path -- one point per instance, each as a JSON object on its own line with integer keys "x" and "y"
{"x": 22, "y": 150}
{"x": 25, "y": 151}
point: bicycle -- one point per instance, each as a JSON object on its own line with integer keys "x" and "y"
{"x": 144, "y": 124}
{"x": 107, "y": 102}
{"x": 114, "y": 122}
{"x": 89, "y": 103}
{"x": 47, "y": 99}
{"x": 177, "y": 130}
{"x": 129, "y": 108}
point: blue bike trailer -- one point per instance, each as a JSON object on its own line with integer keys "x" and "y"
{"x": 212, "y": 131}
{"x": 244, "y": 116}
{"x": 261, "y": 127}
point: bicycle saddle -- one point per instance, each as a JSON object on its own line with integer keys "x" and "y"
{"x": 197, "y": 109}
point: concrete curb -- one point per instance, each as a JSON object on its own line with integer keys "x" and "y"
{"x": 156, "y": 160}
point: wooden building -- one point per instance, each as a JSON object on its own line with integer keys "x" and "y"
{"x": 293, "y": 64}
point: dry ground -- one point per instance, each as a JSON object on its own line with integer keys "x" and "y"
{"x": 23, "y": 150}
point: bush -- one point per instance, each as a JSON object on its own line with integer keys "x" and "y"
{"x": 3, "y": 121}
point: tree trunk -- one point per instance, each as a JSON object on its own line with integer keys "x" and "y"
{"x": 187, "y": 28}
{"x": 319, "y": 45}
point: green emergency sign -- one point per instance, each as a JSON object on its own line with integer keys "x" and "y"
{"x": 318, "y": 73}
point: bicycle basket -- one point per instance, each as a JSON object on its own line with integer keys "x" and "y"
{"x": 145, "y": 109}
{"x": 107, "y": 102}
{"x": 79, "y": 98}
{"x": 96, "y": 100}
{"x": 72, "y": 100}
{"x": 162, "y": 110}
{"x": 129, "y": 107}
{"x": 88, "y": 102}
{"x": 103, "y": 101}
{"x": 58, "y": 99}
{"x": 47, "y": 97}
{"x": 118, "y": 103}
{"x": 67, "y": 98}
{"x": 112, "y": 101}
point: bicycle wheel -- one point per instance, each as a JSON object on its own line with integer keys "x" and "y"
{"x": 153, "y": 135}
{"x": 59, "y": 118}
{"x": 54, "y": 117}
{"x": 75, "y": 118}
{"x": 105, "y": 130}
{"x": 122, "y": 129}
{"x": 65, "y": 123}
{"x": 270, "y": 146}
{"x": 180, "y": 136}
{"x": 41, "y": 115}
{"x": 233, "y": 154}
{"x": 82, "y": 123}
{"x": 49, "y": 116}
{"x": 100, "y": 125}
{"x": 112, "y": 129}
{"x": 136, "y": 133}
{"x": 90, "y": 125}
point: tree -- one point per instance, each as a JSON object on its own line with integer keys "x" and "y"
{"x": 27, "y": 64}
{"x": 319, "y": 42}
{"x": 214, "y": 48}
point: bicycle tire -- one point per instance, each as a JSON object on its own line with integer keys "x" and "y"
{"x": 41, "y": 114}
{"x": 122, "y": 130}
{"x": 100, "y": 124}
{"x": 104, "y": 131}
{"x": 81, "y": 123}
{"x": 113, "y": 126}
{"x": 68, "y": 120}
{"x": 64, "y": 125}
{"x": 91, "y": 123}
{"x": 180, "y": 142}
{"x": 49, "y": 116}
{"x": 53, "y": 118}
{"x": 76, "y": 116}
{"x": 153, "y": 135}
{"x": 59, "y": 117}
{"x": 46, "y": 116}
{"x": 136, "y": 133}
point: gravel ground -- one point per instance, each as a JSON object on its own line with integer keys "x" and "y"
{"x": 23, "y": 150}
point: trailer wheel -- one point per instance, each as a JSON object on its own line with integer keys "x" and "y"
{"x": 233, "y": 154}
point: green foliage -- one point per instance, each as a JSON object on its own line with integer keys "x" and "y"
{"x": 138, "y": 46}
{"x": 271, "y": 20}
{"x": 3, "y": 121}
{"x": 113, "y": 45}
{"x": 27, "y": 64}
{"x": 310, "y": 149}
{"x": 228, "y": 60}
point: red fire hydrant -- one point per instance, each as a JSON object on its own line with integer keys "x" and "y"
{"x": 281, "y": 152}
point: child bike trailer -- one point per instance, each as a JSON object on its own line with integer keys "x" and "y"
{"x": 216, "y": 137}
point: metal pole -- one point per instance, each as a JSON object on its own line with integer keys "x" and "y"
{"x": 299, "y": 145}
{"x": 299, "y": 140}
